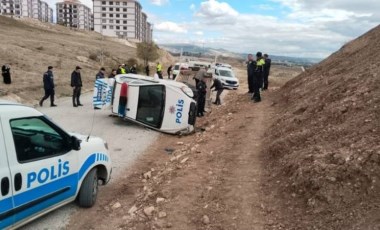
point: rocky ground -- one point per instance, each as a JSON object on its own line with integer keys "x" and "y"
{"x": 214, "y": 179}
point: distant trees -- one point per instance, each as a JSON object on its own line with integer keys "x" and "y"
{"x": 147, "y": 52}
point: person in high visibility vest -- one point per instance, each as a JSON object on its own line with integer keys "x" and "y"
{"x": 159, "y": 70}
{"x": 258, "y": 77}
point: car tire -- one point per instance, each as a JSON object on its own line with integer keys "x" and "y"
{"x": 89, "y": 190}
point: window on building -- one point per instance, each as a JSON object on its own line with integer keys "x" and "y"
{"x": 118, "y": 27}
{"x": 118, "y": 15}
{"x": 75, "y": 6}
{"x": 125, "y": 22}
{"x": 111, "y": 21}
{"x": 104, "y": 21}
{"x": 117, "y": 9}
{"x": 111, "y": 3}
{"x": 104, "y": 9}
{"x": 17, "y": 6}
{"x": 74, "y": 16}
{"x": 104, "y": 27}
{"x": 118, "y": 21}
{"x": 124, "y": 3}
{"x": 103, "y": 2}
{"x": 111, "y": 27}
{"x": 124, "y": 16}
{"x": 111, "y": 9}
{"x": 124, "y": 9}
{"x": 111, "y": 15}
{"x": 124, "y": 28}
{"x": 104, "y": 15}
{"x": 117, "y": 3}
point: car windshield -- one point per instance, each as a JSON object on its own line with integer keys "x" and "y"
{"x": 225, "y": 73}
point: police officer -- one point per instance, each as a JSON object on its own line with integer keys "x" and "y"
{"x": 267, "y": 65}
{"x": 133, "y": 69}
{"x": 219, "y": 90}
{"x": 48, "y": 79}
{"x": 251, "y": 66}
{"x": 159, "y": 70}
{"x": 100, "y": 74}
{"x": 6, "y": 72}
{"x": 201, "y": 101}
{"x": 76, "y": 83}
{"x": 258, "y": 77}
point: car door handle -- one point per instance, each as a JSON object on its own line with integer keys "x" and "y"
{"x": 4, "y": 186}
{"x": 18, "y": 182}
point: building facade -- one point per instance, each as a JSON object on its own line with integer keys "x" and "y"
{"x": 73, "y": 13}
{"x": 120, "y": 18}
{"x": 26, "y": 8}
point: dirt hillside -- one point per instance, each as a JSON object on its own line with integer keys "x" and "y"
{"x": 30, "y": 46}
{"x": 324, "y": 145}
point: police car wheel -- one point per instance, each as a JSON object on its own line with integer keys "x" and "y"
{"x": 89, "y": 190}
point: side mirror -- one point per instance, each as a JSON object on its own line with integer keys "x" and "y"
{"x": 75, "y": 143}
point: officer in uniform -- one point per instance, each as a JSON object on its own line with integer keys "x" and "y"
{"x": 48, "y": 80}
{"x": 258, "y": 77}
{"x": 251, "y": 66}
{"x": 219, "y": 90}
{"x": 76, "y": 83}
{"x": 159, "y": 70}
{"x": 201, "y": 101}
{"x": 267, "y": 65}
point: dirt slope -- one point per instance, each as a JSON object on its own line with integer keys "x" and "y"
{"x": 31, "y": 46}
{"x": 324, "y": 146}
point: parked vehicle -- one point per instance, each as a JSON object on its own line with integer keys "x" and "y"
{"x": 42, "y": 167}
{"x": 178, "y": 67}
{"x": 226, "y": 76}
{"x": 164, "y": 105}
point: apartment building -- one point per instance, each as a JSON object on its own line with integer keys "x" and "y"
{"x": 26, "y": 8}
{"x": 73, "y": 13}
{"x": 120, "y": 18}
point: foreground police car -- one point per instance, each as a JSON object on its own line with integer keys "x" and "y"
{"x": 42, "y": 167}
{"x": 163, "y": 105}
{"x": 226, "y": 76}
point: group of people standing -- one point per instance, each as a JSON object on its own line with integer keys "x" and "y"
{"x": 258, "y": 73}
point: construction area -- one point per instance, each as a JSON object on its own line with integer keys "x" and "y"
{"x": 306, "y": 157}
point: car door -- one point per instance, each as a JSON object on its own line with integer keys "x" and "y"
{"x": 151, "y": 105}
{"x": 44, "y": 168}
{"x": 132, "y": 100}
{"x": 6, "y": 202}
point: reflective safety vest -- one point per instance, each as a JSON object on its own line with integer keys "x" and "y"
{"x": 159, "y": 67}
{"x": 260, "y": 65}
{"x": 122, "y": 70}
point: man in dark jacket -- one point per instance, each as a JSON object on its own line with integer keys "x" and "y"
{"x": 133, "y": 69}
{"x": 267, "y": 65}
{"x": 100, "y": 74}
{"x": 48, "y": 79}
{"x": 251, "y": 66}
{"x": 219, "y": 90}
{"x": 76, "y": 83}
{"x": 147, "y": 70}
{"x": 6, "y": 72}
{"x": 202, "y": 90}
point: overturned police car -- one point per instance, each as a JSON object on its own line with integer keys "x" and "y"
{"x": 163, "y": 105}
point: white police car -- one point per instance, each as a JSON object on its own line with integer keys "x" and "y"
{"x": 42, "y": 167}
{"x": 163, "y": 105}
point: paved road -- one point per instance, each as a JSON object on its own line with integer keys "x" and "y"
{"x": 125, "y": 140}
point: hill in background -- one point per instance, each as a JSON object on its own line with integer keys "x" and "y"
{"x": 188, "y": 50}
{"x": 324, "y": 146}
{"x": 31, "y": 46}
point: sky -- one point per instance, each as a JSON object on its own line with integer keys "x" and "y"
{"x": 298, "y": 28}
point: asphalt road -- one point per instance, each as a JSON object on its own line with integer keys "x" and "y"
{"x": 125, "y": 141}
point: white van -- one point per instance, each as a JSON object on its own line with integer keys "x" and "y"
{"x": 226, "y": 76}
{"x": 178, "y": 67}
{"x": 164, "y": 105}
{"x": 42, "y": 167}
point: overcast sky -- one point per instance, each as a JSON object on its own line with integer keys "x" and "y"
{"x": 300, "y": 28}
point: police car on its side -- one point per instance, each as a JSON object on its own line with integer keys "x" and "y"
{"x": 42, "y": 167}
{"x": 163, "y": 105}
